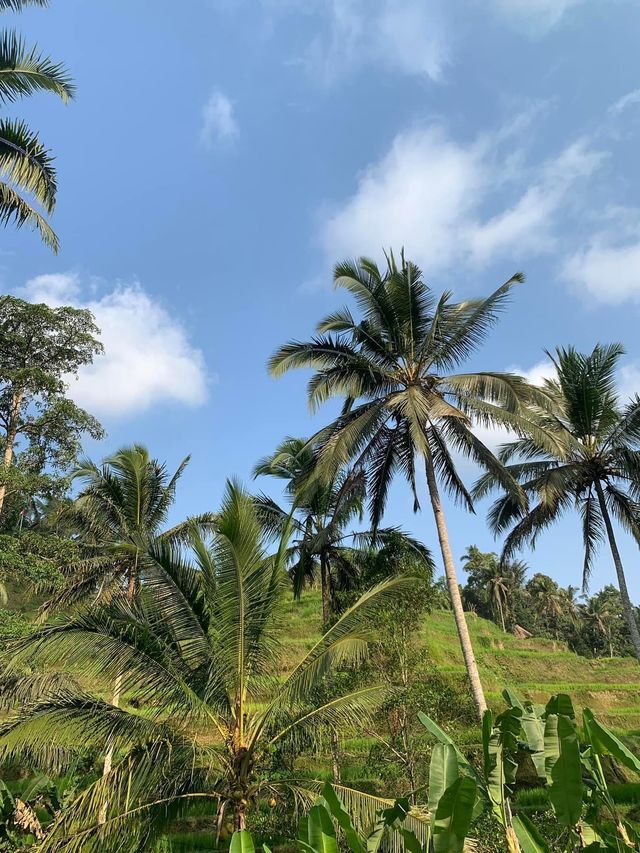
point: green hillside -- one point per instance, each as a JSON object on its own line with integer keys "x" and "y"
{"x": 534, "y": 667}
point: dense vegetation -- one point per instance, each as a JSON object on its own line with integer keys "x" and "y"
{"x": 149, "y": 685}
{"x": 286, "y": 670}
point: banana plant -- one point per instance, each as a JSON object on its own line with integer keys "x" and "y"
{"x": 458, "y": 792}
{"x": 573, "y": 770}
{"x": 569, "y": 765}
{"x": 317, "y": 831}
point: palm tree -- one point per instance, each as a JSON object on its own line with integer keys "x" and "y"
{"x": 402, "y": 402}
{"x": 547, "y": 600}
{"x": 602, "y": 611}
{"x": 27, "y": 173}
{"x": 319, "y": 515}
{"x": 593, "y": 465}
{"x": 118, "y": 518}
{"x": 498, "y": 580}
{"x": 198, "y": 649}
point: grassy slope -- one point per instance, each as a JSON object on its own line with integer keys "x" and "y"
{"x": 533, "y": 668}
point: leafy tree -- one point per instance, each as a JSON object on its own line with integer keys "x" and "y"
{"x": 320, "y": 514}
{"x": 27, "y": 173}
{"x": 198, "y": 651}
{"x": 41, "y": 348}
{"x": 493, "y": 587}
{"x": 440, "y": 594}
{"x": 396, "y": 658}
{"x": 584, "y": 455}
{"x": 32, "y": 559}
{"x": 393, "y": 369}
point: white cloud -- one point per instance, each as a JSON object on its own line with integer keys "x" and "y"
{"x": 606, "y": 270}
{"x": 624, "y": 102}
{"x": 409, "y": 36}
{"x": 218, "y": 120}
{"x": 493, "y": 437}
{"x": 148, "y": 358}
{"x": 537, "y": 374}
{"x": 538, "y": 15}
{"x": 442, "y": 200}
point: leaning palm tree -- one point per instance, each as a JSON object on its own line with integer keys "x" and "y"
{"x": 198, "y": 649}
{"x": 594, "y": 468}
{"x": 320, "y": 514}
{"x": 27, "y": 174}
{"x": 393, "y": 368}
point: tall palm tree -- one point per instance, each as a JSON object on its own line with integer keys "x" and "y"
{"x": 393, "y": 368}
{"x": 593, "y": 465}
{"x": 320, "y": 514}
{"x": 198, "y": 649}
{"x": 27, "y": 173}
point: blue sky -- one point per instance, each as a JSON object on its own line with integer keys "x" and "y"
{"x": 221, "y": 155}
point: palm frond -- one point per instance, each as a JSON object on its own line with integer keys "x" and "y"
{"x": 26, "y": 164}
{"x": 19, "y": 5}
{"x": 17, "y": 211}
{"x": 24, "y": 71}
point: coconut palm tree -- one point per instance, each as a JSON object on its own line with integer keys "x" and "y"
{"x": 602, "y": 612}
{"x": 547, "y": 600}
{"x": 319, "y": 515}
{"x": 402, "y": 401}
{"x": 118, "y": 518}
{"x": 198, "y": 649}
{"x": 27, "y": 173}
{"x": 498, "y": 581}
{"x": 593, "y": 465}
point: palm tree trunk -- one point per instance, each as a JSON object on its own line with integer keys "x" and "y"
{"x": 10, "y": 439}
{"x": 504, "y": 630}
{"x": 335, "y": 757}
{"x": 115, "y": 701}
{"x": 240, "y": 815}
{"x": 454, "y": 590}
{"x": 325, "y": 586}
{"x": 627, "y": 606}
{"x": 108, "y": 758}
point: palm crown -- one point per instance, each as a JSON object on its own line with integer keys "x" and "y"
{"x": 27, "y": 173}
{"x": 394, "y": 368}
{"x": 320, "y": 516}
{"x": 199, "y": 651}
{"x": 591, "y": 465}
{"x": 117, "y": 517}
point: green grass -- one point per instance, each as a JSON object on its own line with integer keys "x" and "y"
{"x": 533, "y": 668}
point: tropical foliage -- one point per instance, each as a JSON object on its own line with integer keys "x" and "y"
{"x": 393, "y": 367}
{"x": 28, "y": 181}
{"x": 155, "y": 685}
{"x": 592, "y": 464}
{"x": 198, "y": 650}
{"x": 320, "y": 515}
